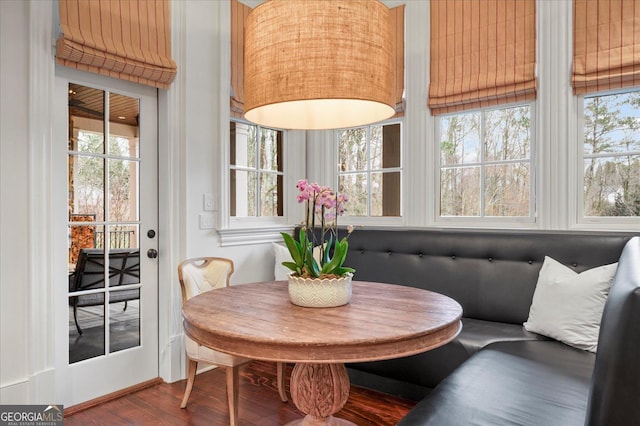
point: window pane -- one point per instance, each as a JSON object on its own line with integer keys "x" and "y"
{"x": 385, "y": 194}
{"x": 460, "y": 139}
{"x": 121, "y": 237}
{"x": 86, "y": 186}
{"x": 124, "y": 319}
{"x": 612, "y": 123}
{"x": 460, "y": 191}
{"x": 355, "y": 186}
{"x": 124, "y": 113}
{"x": 612, "y": 186}
{"x": 86, "y": 112}
{"x": 89, "y": 320}
{"x": 507, "y": 134}
{"x": 385, "y": 146}
{"x": 507, "y": 190}
{"x": 353, "y": 149}
{"x": 243, "y": 145}
{"x": 270, "y": 149}
{"x": 270, "y": 198}
{"x": 243, "y": 193}
{"x": 123, "y": 190}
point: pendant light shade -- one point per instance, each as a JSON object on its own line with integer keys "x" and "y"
{"x": 318, "y": 64}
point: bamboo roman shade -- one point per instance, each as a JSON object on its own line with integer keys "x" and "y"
{"x": 606, "y": 45}
{"x": 397, "y": 25}
{"x": 483, "y": 53}
{"x": 125, "y": 39}
{"x": 239, "y": 13}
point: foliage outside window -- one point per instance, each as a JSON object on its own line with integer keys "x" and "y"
{"x": 370, "y": 170}
{"x": 485, "y": 163}
{"x": 256, "y": 174}
{"x": 611, "y": 155}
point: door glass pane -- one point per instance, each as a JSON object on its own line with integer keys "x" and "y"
{"x": 86, "y": 336}
{"x": 86, "y": 119}
{"x": 103, "y": 223}
{"x": 86, "y": 186}
{"x": 124, "y": 319}
{"x": 123, "y": 190}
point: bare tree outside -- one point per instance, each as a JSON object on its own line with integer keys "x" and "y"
{"x": 611, "y": 153}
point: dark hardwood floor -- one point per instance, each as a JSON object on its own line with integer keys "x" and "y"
{"x": 259, "y": 403}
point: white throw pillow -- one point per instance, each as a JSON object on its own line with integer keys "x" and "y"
{"x": 281, "y": 253}
{"x": 568, "y": 306}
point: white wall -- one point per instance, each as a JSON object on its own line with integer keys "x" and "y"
{"x": 14, "y": 304}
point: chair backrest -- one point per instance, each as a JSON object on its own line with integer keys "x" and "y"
{"x": 201, "y": 274}
{"x": 124, "y": 268}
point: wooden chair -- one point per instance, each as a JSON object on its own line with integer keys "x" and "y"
{"x": 196, "y": 276}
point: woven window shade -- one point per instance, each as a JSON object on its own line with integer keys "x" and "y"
{"x": 483, "y": 53}
{"x": 606, "y": 45}
{"x": 239, "y": 13}
{"x": 397, "y": 31}
{"x": 125, "y": 39}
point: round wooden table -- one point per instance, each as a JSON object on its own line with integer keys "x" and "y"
{"x": 382, "y": 321}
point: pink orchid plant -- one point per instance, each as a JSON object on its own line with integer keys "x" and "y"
{"x": 323, "y": 205}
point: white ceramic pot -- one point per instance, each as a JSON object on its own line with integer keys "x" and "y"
{"x": 320, "y": 293}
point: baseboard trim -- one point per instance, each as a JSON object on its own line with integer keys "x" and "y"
{"x": 111, "y": 396}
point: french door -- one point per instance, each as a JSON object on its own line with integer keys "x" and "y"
{"x": 105, "y": 162}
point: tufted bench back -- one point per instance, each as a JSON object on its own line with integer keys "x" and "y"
{"x": 492, "y": 274}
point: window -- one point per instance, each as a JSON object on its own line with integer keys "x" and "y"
{"x": 485, "y": 163}
{"x": 256, "y": 173}
{"x": 370, "y": 170}
{"x": 611, "y": 155}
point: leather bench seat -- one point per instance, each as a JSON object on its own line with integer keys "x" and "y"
{"x": 527, "y": 383}
{"x": 475, "y": 335}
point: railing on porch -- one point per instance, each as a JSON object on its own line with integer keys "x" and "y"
{"x": 120, "y": 238}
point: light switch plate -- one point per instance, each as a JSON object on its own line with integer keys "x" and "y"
{"x": 208, "y": 202}
{"x": 207, "y": 221}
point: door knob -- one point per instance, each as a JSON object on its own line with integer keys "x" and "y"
{"x": 152, "y": 253}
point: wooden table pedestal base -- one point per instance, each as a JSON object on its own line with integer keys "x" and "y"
{"x": 319, "y": 391}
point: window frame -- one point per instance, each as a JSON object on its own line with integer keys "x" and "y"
{"x": 595, "y": 222}
{"x": 255, "y": 221}
{"x": 258, "y": 169}
{"x": 236, "y": 231}
{"x": 488, "y": 221}
{"x": 374, "y": 220}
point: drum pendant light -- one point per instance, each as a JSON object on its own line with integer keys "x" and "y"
{"x": 318, "y": 64}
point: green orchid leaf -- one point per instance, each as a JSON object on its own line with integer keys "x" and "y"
{"x": 293, "y": 266}
{"x": 293, "y": 247}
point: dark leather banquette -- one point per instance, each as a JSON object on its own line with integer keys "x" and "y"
{"x": 495, "y": 372}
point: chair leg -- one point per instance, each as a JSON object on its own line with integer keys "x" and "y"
{"x": 75, "y": 316}
{"x": 283, "y": 394}
{"x": 191, "y": 377}
{"x": 233, "y": 381}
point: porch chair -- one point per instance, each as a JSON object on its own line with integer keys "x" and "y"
{"x": 196, "y": 276}
{"x": 89, "y": 274}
